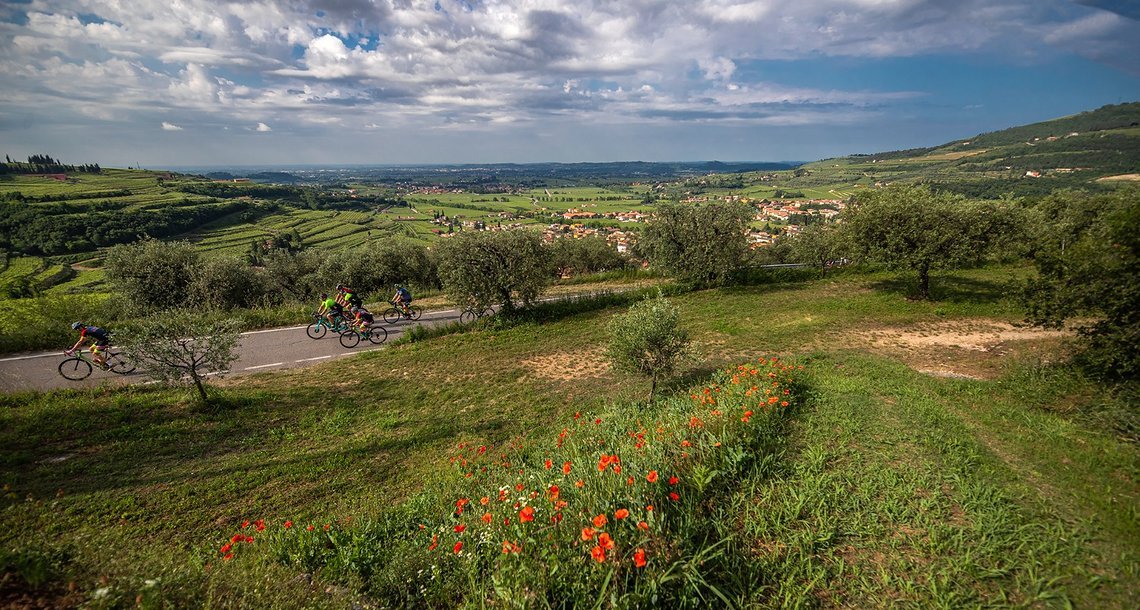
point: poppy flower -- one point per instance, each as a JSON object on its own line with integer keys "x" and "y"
{"x": 487, "y": 518}
{"x": 458, "y": 547}
{"x": 566, "y": 468}
{"x": 579, "y": 483}
{"x": 673, "y": 496}
{"x": 673, "y": 480}
{"x": 587, "y": 533}
{"x": 245, "y": 524}
{"x": 459, "y": 528}
{"x": 226, "y": 548}
{"x": 639, "y": 558}
{"x": 510, "y": 547}
{"x": 652, "y": 476}
{"x": 598, "y": 553}
{"x": 605, "y": 541}
{"x": 434, "y": 542}
{"x": 621, "y": 513}
{"x": 288, "y": 524}
{"x": 526, "y": 514}
{"x": 259, "y": 525}
{"x": 600, "y": 521}
{"x": 228, "y": 556}
{"x": 548, "y": 464}
{"x": 641, "y": 525}
{"x": 484, "y": 500}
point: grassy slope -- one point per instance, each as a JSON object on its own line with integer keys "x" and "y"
{"x": 897, "y": 487}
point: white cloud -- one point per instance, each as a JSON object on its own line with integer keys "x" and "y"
{"x": 170, "y": 127}
{"x": 263, "y": 127}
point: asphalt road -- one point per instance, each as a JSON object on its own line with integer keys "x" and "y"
{"x": 259, "y": 350}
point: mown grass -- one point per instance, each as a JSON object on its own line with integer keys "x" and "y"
{"x": 892, "y": 489}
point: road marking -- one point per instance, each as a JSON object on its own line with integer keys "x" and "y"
{"x": 272, "y": 330}
{"x": 48, "y": 355}
{"x": 312, "y": 359}
{"x": 262, "y": 366}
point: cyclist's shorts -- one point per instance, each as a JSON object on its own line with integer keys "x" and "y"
{"x": 100, "y": 345}
{"x": 337, "y": 308}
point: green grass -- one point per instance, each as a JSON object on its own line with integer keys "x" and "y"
{"x": 890, "y": 488}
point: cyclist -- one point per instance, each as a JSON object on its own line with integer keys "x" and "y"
{"x": 363, "y": 318}
{"x": 330, "y": 309}
{"x": 402, "y": 299}
{"x": 99, "y": 338}
{"x": 347, "y": 297}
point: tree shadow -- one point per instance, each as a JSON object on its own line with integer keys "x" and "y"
{"x": 947, "y": 288}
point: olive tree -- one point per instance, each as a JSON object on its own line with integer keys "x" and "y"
{"x": 702, "y": 244}
{"x": 647, "y": 340}
{"x": 182, "y": 347}
{"x": 152, "y": 273}
{"x": 484, "y": 268}
{"x": 913, "y": 228}
{"x": 817, "y": 245}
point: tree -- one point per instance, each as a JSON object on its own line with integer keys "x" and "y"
{"x": 1087, "y": 254}
{"x": 226, "y": 282}
{"x": 486, "y": 268}
{"x": 587, "y": 255}
{"x": 705, "y": 245}
{"x": 182, "y": 347}
{"x": 151, "y": 273}
{"x": 910, "y": 227}
{"x": 817, "y": 245}
{"x": 648, "y": 341}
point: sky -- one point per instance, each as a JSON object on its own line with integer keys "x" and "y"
{"x": 169, "y": 83}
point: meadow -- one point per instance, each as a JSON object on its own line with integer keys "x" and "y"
{"x": 930, "y": 454}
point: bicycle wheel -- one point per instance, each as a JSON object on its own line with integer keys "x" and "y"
{"x": 417, "y": 311}
{"x": 350, "y": 338}
{"x": 392, "y": 315}
{"x": 316, "y": 330}
{"x": 121, "y": 365}
{"x": 75, "y": 369}
{"x": 377, "y": 334}
{"x": 467, "y": 316}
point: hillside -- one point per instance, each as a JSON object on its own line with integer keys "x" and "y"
{"x": 926, "y": 458}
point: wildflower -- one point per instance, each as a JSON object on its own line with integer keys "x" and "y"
{"x": 553, "y": 491}
{"x": 639, "y": 558}
{"x": 549, "y": 464}
{"x": 484, "y": 500}
{"x": 226, "y": 548}
{"x": 519, "y": 487}
{"x": 458, "y": 547}
{"x": 784, "y": 403}
{"x": 487, "y": 518}
{"x": 673, "y": 496}
{"x": 587, "y": 533}
{"x": 245, "y": 524}
{"x": 617, "y": 468}
{"x": 434, "y": 542}
{"x": 605, "y": 541}
{"x": 310, "y": 528}
{"x": 598, "y": 421}
{"x": 259, "y": 525}
{"x": 673, "y": 480}
{"x": 747, "y": 416}
{"x": 641, "y": 525}
{"x": 288, "y": 524}
{"x": 459, "y": 528}
{"x": 695, "y": 422}
{"x": 600, "y": 520}
{"x": 652, "y": 476}
{"x": 629, "y": 481}
{"x": 526, "y": 514}
{"x": 237, "y": 538}
{"x": 621, "y": 513}
{"x": 510, "y": 547}
{"x": 566, "y": 468}
{"x": 649, "y": 508}
{"x": 598, "y": 553}
{"x": 482, "y": 449}
{"x": 228, "y": 556}
{"x": 249, "y": 539}
{"x": 686, "y": 443}
{"x": 579, "y": 483}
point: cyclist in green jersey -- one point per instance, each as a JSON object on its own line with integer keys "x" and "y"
{"x": 330, "y": 309}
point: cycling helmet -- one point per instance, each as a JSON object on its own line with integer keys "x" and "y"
{"x": 355, "y": 310}
{"x": 76, "y": 325}
{"x": 340, "y": 287}
{"x": 324, "y": 295}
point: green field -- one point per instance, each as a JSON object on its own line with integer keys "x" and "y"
{"x": 915, "y": 471}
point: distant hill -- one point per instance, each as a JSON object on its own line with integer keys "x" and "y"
{"x": 1079, "y": 151}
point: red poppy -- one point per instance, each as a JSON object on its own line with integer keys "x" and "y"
{"x": 605, "y": 541}
{"x": 434, "y": 542}
{"x": 639, "y": 558}
{"x": 228, "y": 556}
{"x": 526, "y": 514}
{"x": 249, "y": 539}
{"x": 652, "y": 476}
{"x": 587, "y": 533}
{"x": 259, "y": 524}
{"x": 553, "y": 491}
{"x": 673, "y": 480}
{"x": 519, "y": 487}
{"x": 600, "y": 521}
{"x": 458, "y": 547}
{"x": 459, "y": 528}
{"x": 621, "y": 513}
{"x": 487, "y": 518}
{"x": 566, "y": 468}
{"x": 641, "y": 525}
{"x": 226, "y": 548}
{"x": 484, "y": 500}
{"x": 288, "y": 524}
{"x": 673, "y": 496}
{"x": 245, "y": 524}
{"x": 310, "y": 528}
{"x": 578, "y": 483}
{"x": 598, "y": 553}
{"x": 510, "y": 547}
{"x": 549, "y": 464}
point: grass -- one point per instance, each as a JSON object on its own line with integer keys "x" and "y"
{"x": 889, "y": 487}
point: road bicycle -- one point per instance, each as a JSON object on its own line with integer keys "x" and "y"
{"x": 80, "y": 365}
{"x": 472, "y": 313}
{"x": 394, "y": 314}
{"x": 351, "y": 337}
{"x": 321, "y": 325}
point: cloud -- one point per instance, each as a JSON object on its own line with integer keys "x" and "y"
{"x": 263, "y": 127}
{"x": 170, "y": 127}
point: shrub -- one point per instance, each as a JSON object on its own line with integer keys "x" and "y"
{"x": 182, "y": 346}
{"x": 647, "y": 340}
{"x": 152, "y": 273}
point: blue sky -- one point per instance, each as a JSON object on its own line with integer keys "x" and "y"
{"x": 199, "y": 82}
